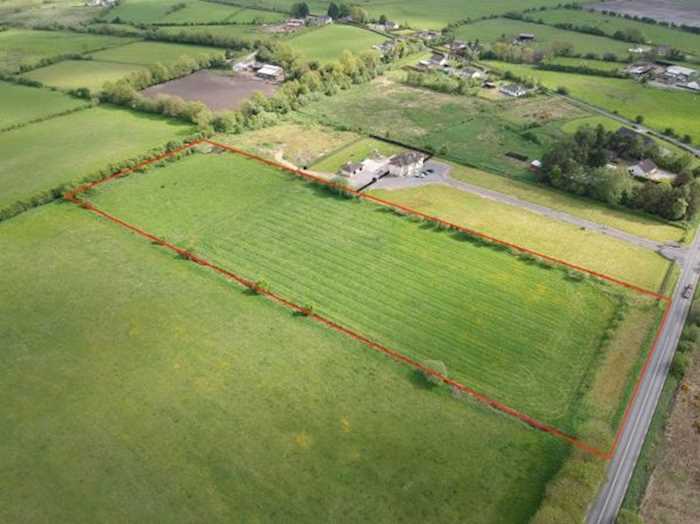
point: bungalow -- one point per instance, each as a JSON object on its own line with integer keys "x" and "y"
{"x": 271, "y": 72}
{"x": 428, "y": 36}
{"x": 435, "y": 61}
{"x": 514, "y": 90}
{"x": 647, "y": 170}
{"x": 391, "y": 26}
{"x": 408, "y": 163}
{"x": 350, "y": 169}
{"x": 458, "y": 47}
{"x": 639, "y": 71}
{"x": 295, "y": 22}
{"x": 471, "y": 73}
{"x": 526, "y": 37}
{"x": 318, "y": 20}
{"x": 680, "y": 74}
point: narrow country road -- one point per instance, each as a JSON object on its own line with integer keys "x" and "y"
{"x": 621, "y": 467}
{"x": 670, "y": 251}
{"x": 641, "y": 129}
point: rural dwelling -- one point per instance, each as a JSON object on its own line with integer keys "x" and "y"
{"x": 428, "y": 36}
{"x": 458, "y": 47}
{"x": 319, "y": 20}
{"x": 647, "y": 170}
{"x": 271, "y": 72}
{"x": 639, "y": 71}
{"x": 535, "y": 165}
{"x": 408, "y": 163}
{"x": 514, "y": 90}
{"x": 295, "y": 22}
{"x": 471, "y": 73}
{"x": 639, "y": 50}
{"x": 437, "y": 60}
{"x": 526, "y": 37}
{"x": 350, "y": 169}
{"x": 693, "y": 86}
{"x": 680, "y": 74}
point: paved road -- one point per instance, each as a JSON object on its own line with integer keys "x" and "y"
{"x": 640, "y": 128}
{"x": 621, "y": 467}
{"x": 672, "y": 252}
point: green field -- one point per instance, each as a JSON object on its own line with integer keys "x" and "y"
{"x": 162, "y": 393}
{"x": 465, "y": 129}
{"x": 191, "y": 12}
{"x": 416, "y": 290}
{"x": 503, "y": 28}
{"x": 586, "y": 248}
{"x": 652, "y": 33}
{"x": 245, "y": 32}
{"x": 600, "y": 65}
{"x": 72, "y": 74}
{"x": 661, "y": 108}
{"x": 326, "y": 44}
{"x": 20, "y": 47}
{"x": 40, "y": 13}
{"x": 147, "y": 53}
{"x": 67, "y": 148}
{"x": 20, "y": 104}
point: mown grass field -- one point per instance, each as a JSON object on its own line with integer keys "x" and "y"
{"x": 147, "y": 53}
{"x": 67, "y": 148}
{"x": 589, "y": 249}
{"x": 496, "y": 29}
{"x": 245, "y": 32}
{"x": 641, "y": 225}
{"x": 73, "y": 74}
{"x": 655, "y": 34}
{"x": 465, "y": 129}
{"x": 355, "y": 152}
{"x": 20, "y": 104}
{"x": 327, "y": 43}
{"x": 661, "y": 108}
{"x": 166, "y": 394}
{"x": 24, "y": 47}
{"x": 520, "y": 333}
{"x": 193, "y": 12}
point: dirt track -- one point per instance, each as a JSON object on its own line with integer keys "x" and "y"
{"x": 219, "y": 91}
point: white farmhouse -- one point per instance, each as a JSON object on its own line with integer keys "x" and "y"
{"x": 408, "y": 163}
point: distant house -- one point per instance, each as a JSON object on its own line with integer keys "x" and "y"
{"x": 471, "y": 73}
{"x": 244, "y": 65}
{"x": 640, "y": 71}
{"x": 271, "y": 72}
{"x": 514, "y": 90}
{"x": 408, "y": 163}
{"x": 385, "y": 47}
{"x": 680, "y": 74}
{"x": 295, "y": 22}
{"x": 639, "y": 50}
{"x": 526, "y": 37}
{"x": 318, "y": 20}
{"x": 350, "y": 169}
{"x": 437, "y": 60}
{"x": 428, "y": 36}
{"x": 644, "y": 169}
{"x": 458, "y": 47}
{"x": 391, "y": 26}
{"x": 535, "y": 165}
{"x": 693, "y": 86}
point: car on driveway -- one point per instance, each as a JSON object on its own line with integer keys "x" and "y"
{"x": 687, "y": 291}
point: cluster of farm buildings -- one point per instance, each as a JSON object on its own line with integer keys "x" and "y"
{"x": 408, "y": 163}
{"x": 669, "y": 75}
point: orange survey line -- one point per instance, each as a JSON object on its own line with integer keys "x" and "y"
{"x": 73, "y": 197}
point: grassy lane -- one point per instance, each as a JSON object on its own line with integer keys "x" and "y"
{"x": 589, "y": 249}
{"x": 525, "y": 335}
{"x": 165, "y": 394}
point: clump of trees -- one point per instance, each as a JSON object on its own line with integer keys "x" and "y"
{"x": 579, "y": 164}
{"x": 442, "y": 83}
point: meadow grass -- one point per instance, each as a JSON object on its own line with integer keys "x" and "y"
{"x": 661, "y": 108}
{"x": 25, "y": 47}
{"x": 637, "y": 224}
{"x": 600, "y": 65}
{"x": 250, "y": 33}
{"x": 327, "y": 43}
{"x": 193, "y": 12}
{"x": 463, "y": 128}
{"x": 68, "y": 148}
{"x": 355, "y": 152}
{"x": 147, "y": 53}
{"x": 21, "y": 104}
{"x": 164, "y": 393}
{"x": 495, "y": 29}
{"x": 586, "y": 248}
{"x": 652, "y": 33}
{"x": 42, "y": 13}
{"x": 513, "y": 330}
{"x": 73, "y": 74}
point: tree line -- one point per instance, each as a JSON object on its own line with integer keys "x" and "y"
{"x": 580, "y": 164}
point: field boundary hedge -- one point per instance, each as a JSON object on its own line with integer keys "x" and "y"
{"x": 74, "y": 197}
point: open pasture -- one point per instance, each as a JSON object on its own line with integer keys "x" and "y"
{"x": 74, "y": 74}
{"x": 462, "y": 128}
{"x": 40, "y": 13}
{"x": 148, "y": 53}
{"x": 195, "y": 402}
{"x": 415, "y": 289}
{"x": 661, "y": 108}
{"x": 68, "y": 148}
{"x": 679, "y": 12}
{"x": 505, "y": 29}
{"x": 249, "y": 33}
{"x": 21, "y": 47}
{"x": 327, "y": 43}
{"x": 21, "y": 104}
{"x": 589, "y": 249}
{"x": 175, "y": 12}
{"x": 653, "y": 34}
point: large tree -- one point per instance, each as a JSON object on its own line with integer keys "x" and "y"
{"x": 300, "y": 10}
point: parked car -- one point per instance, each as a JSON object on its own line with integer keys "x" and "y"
{"x": 687, "y": 291}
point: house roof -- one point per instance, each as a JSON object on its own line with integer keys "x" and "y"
{"x": 269, "y": 69}
{"x": 526, "y": 35}
{"x": 514, "y": 89}
{"x": 351, "y": 167}
{"x": 680, "y": 70}
{"x": 646, "y": 166}
{"x": 407, "y": 158}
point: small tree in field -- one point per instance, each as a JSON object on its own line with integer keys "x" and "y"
{"x": 433, "y": 368}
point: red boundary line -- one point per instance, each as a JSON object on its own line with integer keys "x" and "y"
{"x": 72, "y": 196}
